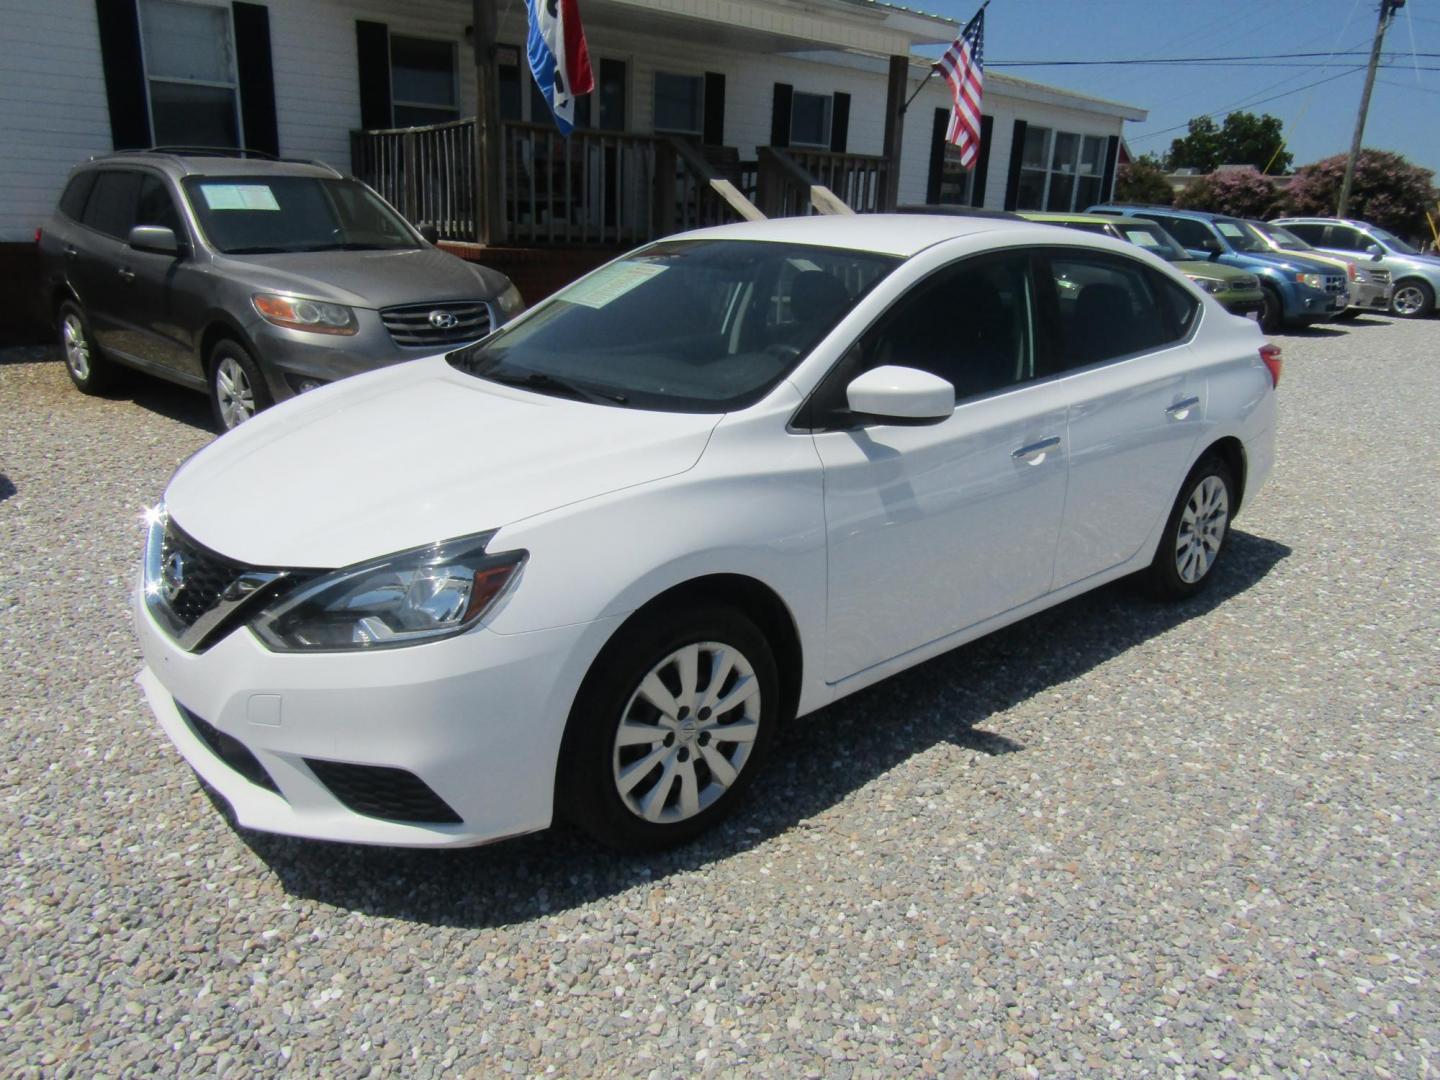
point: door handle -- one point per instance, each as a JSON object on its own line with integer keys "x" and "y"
{"x": 127, "y": 274}
{"x": 71, "y": 254}
{"x": 1181, "y": 409}
{"x": 1034, "y": 453}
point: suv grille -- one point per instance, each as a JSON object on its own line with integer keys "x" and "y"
{"x": 206, "y": 575}
{"x": 1246, "y": 282}
{"x": 1379, "y": 277}
{"x": 1335, "y": 285}
{"x": 450, "y": 323}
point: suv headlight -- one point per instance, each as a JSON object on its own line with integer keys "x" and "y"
{"x": 511, "y": 303}
{"x": 419, "y": 595}
{"x": 1315, "y": 281}
{"x": 1210, "y": 284}
{"x": 294, "y": 313}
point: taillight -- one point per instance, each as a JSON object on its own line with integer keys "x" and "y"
{"x": 37, "y": 235}
{"x": 1271, "y": 355}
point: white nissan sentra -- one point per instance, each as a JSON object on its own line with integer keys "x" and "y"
{"x": 586, "y": 567}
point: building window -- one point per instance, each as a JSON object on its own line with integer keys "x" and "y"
{"x": 956, "y": 181}
{"x": 422, "y": 81}
{"x": 810, "y": 120}
{"x": 1060, "y": 170}
{"x": 679, "y": 103}
{"x": 190, "y": 73}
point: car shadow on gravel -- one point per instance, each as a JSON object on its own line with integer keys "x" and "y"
{"x": 6, "y": 487}
{"x": 817, "y": 763}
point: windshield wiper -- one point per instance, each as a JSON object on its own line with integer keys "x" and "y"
{"x": 537, "y": 380}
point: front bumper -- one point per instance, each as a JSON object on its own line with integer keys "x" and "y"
{"x": 477, "y": 719}
{"x": 1368, "y": 296}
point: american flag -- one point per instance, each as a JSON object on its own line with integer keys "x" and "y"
{"x": 963, "y": 66}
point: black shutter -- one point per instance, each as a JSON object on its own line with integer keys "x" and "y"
{"x": 937, "y": 155}
{"x": 1017, "y": 155}
{"x": 982, "y": 164}
{"x": 840, "y": 123}
{"x": 780, "y": 115}
{"x": 372, "y": 49}
{"x": 1112, "y": 153}
{"x": 257, "y": 76}
{"x": 124, "y": 73}
{"x": 714, "y": 125}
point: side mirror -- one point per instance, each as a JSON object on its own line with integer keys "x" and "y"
{"x": 430, "y": 233}
{"x": 1375, "y": 251}
{"x": 156, "y": 238}
{"x": 901, "y": 395}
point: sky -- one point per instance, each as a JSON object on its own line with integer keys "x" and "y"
{"x": 1318, "y": 120}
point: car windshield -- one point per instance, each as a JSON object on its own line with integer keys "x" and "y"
{"x": 1239, "y": 237}
{"x": 1281, "y": 236}
{"x": 1393, "y": 242}
{"x": 254, "y": 215}
{"x": 1153, "y": 239}
{"x": 681, "y": 326}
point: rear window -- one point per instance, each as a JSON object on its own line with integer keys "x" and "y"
{"x": 111, "y": 207}
{"x": 72, "y": 202}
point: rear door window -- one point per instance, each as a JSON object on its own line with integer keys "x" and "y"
{"x": 1311, "y": 234}
{"x": 72, "y": 202}
{"x": 1112, "y": 307}
{"x": 1191, "y": 234}
{"x": 1346, "y": 238}
{"x": 111, "y": 207}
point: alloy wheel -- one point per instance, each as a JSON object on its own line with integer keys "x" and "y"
{"x": 1202, "y": 529}
{"x": 234, "y": 393}
{"x": 77, "y": 346}
{"x": 687, "y": 732}
{"x": 1408, "y": 300}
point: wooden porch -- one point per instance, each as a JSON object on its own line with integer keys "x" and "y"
{"x": 604, "y": 188}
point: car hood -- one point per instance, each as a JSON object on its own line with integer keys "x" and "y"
{"x": 1299, "y": 263}
{"x": 409, "y": 455}
{"x": 1218, "y": 271}
{"x": 370, "y": 279}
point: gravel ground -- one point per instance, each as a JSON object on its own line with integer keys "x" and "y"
{"x": 1119, "y": 839}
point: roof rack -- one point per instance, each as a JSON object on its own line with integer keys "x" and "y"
{"x": 224, "y": 152}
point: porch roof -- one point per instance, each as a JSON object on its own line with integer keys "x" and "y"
{"x": 866, "y": 27}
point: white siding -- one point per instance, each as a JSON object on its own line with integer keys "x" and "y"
{"x": 53, "y": 110}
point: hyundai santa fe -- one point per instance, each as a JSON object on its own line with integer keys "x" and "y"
{"x": 585, "y": 568}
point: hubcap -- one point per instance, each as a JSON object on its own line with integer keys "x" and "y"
{"x": 77, "y": 348}
{"x": 1202, "y": 528}
{"x": 1408, "y": 300}
{"x": 233, "y": 391}
{"x": 686, "y": 732}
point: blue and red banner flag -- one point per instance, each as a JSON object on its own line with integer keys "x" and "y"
{"x": 559, "y": 57}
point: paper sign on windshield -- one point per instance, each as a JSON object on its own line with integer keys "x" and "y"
{"x": 610, "y": 283}
{"x": 239, "y": 197}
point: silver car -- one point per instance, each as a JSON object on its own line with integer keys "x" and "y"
{"x": 1416, "y": 277}
{"x": 251, "y": 279}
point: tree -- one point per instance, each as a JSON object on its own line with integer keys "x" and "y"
{"x": 1245, "y": 139}
{"x": 1242, "y": 193}
{"x": 1143, "y": 181}
{"x": 1388, "y": 191}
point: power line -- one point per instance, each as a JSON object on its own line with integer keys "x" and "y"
{"x": 1401, "y": 54}
{"x": 1246, "y": 104}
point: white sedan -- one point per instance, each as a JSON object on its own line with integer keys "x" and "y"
{"x": 586, "y": 567}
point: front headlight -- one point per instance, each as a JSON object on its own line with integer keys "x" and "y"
{"x": 511, "y": 302}
{"x": 413, "y": 596}
{"x": 1209, "y": 284}
{"x": 316, "y": 316}
{"x": 1315, "y": 281}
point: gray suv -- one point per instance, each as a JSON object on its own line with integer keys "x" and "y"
{"x": 1416, "y": 277}
{"x": 249, "y": 278}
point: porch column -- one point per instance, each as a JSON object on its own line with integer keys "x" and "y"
{"x": 489, "y": 207}
{"x": 896, "y": 85}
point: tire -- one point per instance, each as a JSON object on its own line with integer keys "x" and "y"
{"x": 1189, "y": 548}
{"x": 88, "y": 369}
{"x": 1272, "y": 315}
{"x": 237, "y": 389}
{"x": 1412, "y": 299}
{"x": 695, "y": 776}
{"x": 1348, "y": 314}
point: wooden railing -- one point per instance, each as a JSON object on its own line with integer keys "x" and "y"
{"x": 703, "y": 196}
{"x": 787, "y": 189}
{"x": 858, "y": 180}
{"x": 427, "y": 173}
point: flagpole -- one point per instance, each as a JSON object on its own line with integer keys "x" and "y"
{"x": 936, "y": 66}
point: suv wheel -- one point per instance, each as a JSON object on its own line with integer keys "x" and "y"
{"x": 1412, "y": 299}
{"x": 237, "y": 389}
{"x": 1272, "y": 315}
{"x": 88, "y": 369}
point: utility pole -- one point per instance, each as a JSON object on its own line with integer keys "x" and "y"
{"x": 1387, "y": 11}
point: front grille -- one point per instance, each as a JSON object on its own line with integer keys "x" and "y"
{"x": 1379, "y": 277}
{"x": 1246, "y": 283}
{"x": 414, "y": 325}
{"x": 230, "y": 750}
{"x": 1335, "y": 285}
{"x": 205, "y": 574}
{"x": 380, "y": 792}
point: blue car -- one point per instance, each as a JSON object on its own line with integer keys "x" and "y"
{"x": 1298, "y": 291}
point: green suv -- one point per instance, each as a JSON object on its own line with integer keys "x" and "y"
{"x": 1238, "y": 292}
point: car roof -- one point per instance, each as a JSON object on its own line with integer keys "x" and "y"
{"x": 1138, "y": 208}
{"x": 199, "y": 161}
{"x": 884, "y": 234}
